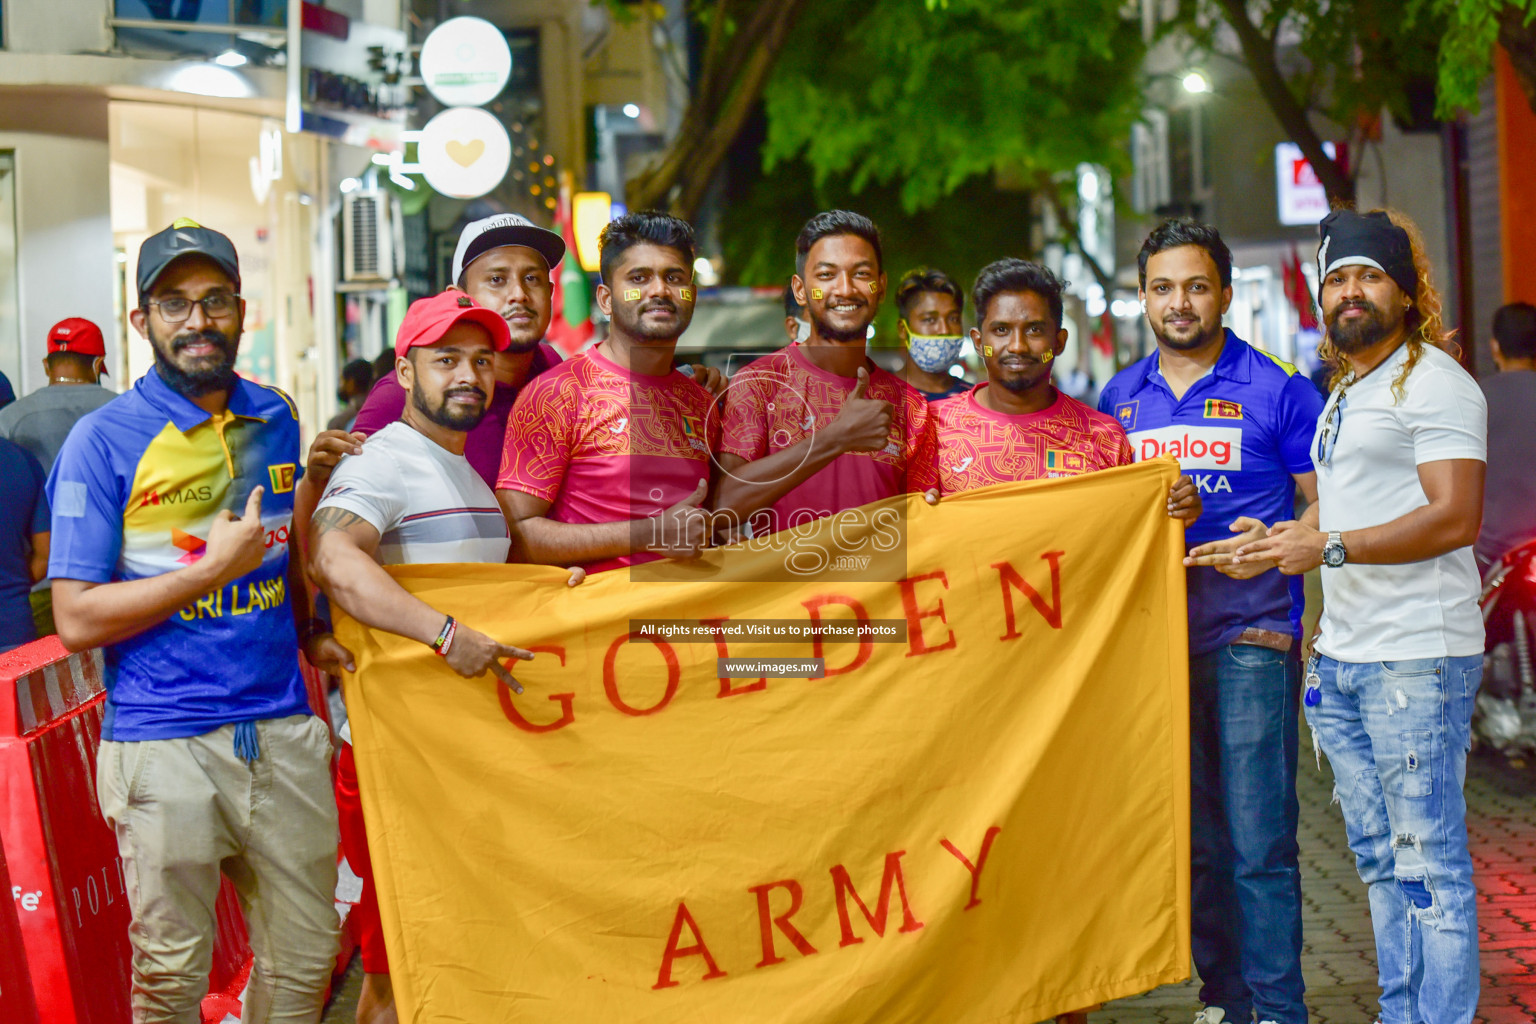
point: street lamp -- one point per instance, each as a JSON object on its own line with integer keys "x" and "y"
{"x": 1196, "y": 82}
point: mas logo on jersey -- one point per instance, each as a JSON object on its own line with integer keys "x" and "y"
{"x": 1064, "y": 463}
{"x": 1221, "y": 409}
{"x": 1125, "y": 412}
{"x": 282, "y": 477}
{"x": 1194, "y": 447}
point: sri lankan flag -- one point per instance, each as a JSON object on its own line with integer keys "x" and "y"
{"x": 1060, "y": 461}
{"x": 1221, "y": 409}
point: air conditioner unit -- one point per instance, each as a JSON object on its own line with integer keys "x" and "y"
{"x": 367, "y": 249}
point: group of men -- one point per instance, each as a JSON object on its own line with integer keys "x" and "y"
{"x": 186, "y": 532}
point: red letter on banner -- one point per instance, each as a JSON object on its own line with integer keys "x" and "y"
{"x": 611, "y": 679}
{"x": 727, "y": 689}
{"x": 916, "y": 643}
{"x": 673, "y": 950}
{"x": 565, "y": 700}
{"x": 842, "y": 888}
{"x": 814, "y": 606}
{"x": 766, "y": 919}
{"x": 981, "y": 861}
{"x": 1051, "y": 613}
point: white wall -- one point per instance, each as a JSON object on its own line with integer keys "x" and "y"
{"x": 65, "y": 264}
{"x": 35, "y": 26}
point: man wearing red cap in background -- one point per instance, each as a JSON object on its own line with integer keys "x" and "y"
{"x": 411, "y": 496}
{"x": 76, "y": 359}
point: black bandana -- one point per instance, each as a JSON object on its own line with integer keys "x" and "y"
{"x": 1351, "y": 239}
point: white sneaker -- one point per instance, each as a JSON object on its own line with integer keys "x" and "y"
{"x": 1210, "y": 1015}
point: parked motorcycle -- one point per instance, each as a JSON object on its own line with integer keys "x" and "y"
{"x": 1505, "y": 718}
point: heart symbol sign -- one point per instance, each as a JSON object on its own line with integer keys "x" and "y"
{"x": 464, "y": 153}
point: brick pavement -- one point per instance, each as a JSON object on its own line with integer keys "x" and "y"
{"x": 1338, "y": 957}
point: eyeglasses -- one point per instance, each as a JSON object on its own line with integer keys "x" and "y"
{"x": 1328, "y": 437}
{"x": 218, "y": 306}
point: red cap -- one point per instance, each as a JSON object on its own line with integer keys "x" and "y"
{"x": 429, "y": 319}
{"x": 76, "y": 334}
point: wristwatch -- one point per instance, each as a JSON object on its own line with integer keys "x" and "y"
{"x": 1333, "y": 552}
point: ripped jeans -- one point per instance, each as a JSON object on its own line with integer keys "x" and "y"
{"x": 1397, "y": 734}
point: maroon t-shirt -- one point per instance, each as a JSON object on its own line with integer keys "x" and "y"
{"x": 386, "y": 402}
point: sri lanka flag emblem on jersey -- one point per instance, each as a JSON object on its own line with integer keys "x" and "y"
{"x": 1064, "y": 463}
{"x": 694, "y": 432}
{"x": 1221, "y": 409}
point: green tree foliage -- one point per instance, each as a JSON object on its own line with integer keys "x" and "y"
{"x": 1472, "y": 28}
{"x": 930, "y": 94}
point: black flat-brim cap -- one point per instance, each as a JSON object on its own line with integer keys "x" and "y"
{"x": 481, "y": 236}
{"x": 185, "y": 237}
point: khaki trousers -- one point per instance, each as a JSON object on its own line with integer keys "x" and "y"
{"x": 185, "y": 809}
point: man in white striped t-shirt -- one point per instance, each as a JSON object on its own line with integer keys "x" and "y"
{"x": 410, "y": 496}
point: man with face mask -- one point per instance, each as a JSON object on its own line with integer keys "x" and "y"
{"x": 797, "y": 327}
{"x": 930, "y": 304}
{"x": 1401, "y": 451}
{"x": 1240, "y": 422}
{"x": 171, "y": 509}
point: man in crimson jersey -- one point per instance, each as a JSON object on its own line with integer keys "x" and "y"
{"x": 816, "y": 428}
{"x": 607, "y": 456}
{"x": 1016, "y": 425}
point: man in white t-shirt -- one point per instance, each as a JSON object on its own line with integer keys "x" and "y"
{"x": 1400, "y": 453}
{"x": 411, "y": 496}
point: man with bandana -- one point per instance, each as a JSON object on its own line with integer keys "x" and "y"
{"x": 817, "y": 428}
{"x": 172, "y": 507}
{"x": 1239, "y": 421}
{"x": 606, "y": 460}
{"x": 1400, "y": 451}
{"x": 930, "y": 304}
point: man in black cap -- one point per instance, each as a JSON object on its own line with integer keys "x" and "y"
{"x": 172, "y": 507}
{"x": 1400, "y": 452}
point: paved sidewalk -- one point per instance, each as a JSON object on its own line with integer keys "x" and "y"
{"x": 1339, "y": 959}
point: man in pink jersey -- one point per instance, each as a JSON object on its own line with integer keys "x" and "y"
{"x": 607, "y": 456}
{"x": 1016, "y": 425}
{"x": 816, "y": 428}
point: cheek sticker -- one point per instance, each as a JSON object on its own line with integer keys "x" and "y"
{"x": 1049, "y": 355}
{"x": 986, "y": 351}
{"x": 816, "y": 293}
{"x": 687, "y": 294}
{"x": 632, "y": 295}
{"x": 874, "y": 287}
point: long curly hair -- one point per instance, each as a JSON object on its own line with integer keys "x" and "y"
{"x": 1422, "y": 320}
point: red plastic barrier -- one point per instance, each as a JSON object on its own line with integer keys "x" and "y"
{"x": 16, "y": 1003}
{"x": 68, "y": 895}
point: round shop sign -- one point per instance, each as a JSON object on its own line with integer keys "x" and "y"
{"x": 465, "y": 62}
{"x": 464, "y": 152}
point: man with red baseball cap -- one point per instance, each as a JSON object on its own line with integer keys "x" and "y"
{"x": 76, "y": 359}
{"x": 411, "y": 496}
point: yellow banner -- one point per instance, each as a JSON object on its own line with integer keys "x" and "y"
{"x": 984, "y": 820}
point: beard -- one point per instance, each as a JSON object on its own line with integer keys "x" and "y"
{"x": 1023, "y": 379}
{"x": 1201, "y": 338}
{"x": 631, "y": 320}
{"x": 827, "y": 332}
{"x": 202, "y": 375}
{"x": 1351, "y": 336}
{"x": 452, "y": 417}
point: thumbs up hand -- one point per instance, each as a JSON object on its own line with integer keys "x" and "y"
{"x": 863, "y": 424}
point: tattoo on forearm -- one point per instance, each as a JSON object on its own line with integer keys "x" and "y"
{"x": 333, "y": 518}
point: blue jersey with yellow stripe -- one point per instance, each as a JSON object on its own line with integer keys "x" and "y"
{"x": 1242, "y": 433}
{"x": 134, "y": 491}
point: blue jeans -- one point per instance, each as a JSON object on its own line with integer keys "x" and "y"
{"x": 1397, "y": 734}
{"x": 1245, "y": 884}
